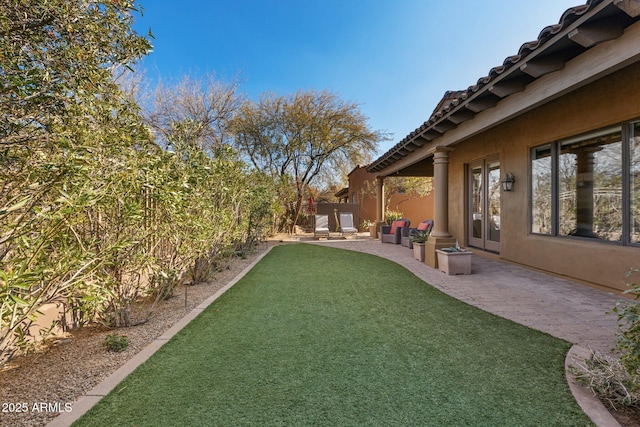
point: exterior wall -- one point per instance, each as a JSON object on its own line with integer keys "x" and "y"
{"x": 416, "y": 209}
{"x": 329, "y": 208}
{"x": 358, "y": 193}
{"x": 605, "y": 102}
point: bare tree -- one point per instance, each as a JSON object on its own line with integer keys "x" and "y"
{"x": 303, "y": 138}
{"x": 197, "y": 110}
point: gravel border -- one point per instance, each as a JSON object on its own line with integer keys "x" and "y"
{"x": 35, "y": 389}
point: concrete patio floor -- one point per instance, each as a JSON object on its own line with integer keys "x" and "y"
{"x": 572, "y": 311}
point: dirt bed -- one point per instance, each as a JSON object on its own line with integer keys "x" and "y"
{"x": 35, "y": 388}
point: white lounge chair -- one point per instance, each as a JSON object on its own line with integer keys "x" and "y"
{"x": 346, "y": 223}
{"x": 321, "y": 226}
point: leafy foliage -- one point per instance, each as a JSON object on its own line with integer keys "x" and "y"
{"x": 94, "y": 214}
{"x": 116, "y": 342}
{"x": 58, "y": 53}
{"x": 59, "y": 109}
{"x": 419, "y": 236}
{"x": 628, "y": 339}
{"x": 390, "y": 216}
{"x": 617, "y": 380}
{"x": 302, "y": 138}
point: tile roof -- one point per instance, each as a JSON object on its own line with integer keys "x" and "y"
{"x": 554, "y": 47}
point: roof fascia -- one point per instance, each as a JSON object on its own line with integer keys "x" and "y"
{"x": 592, "y": 65}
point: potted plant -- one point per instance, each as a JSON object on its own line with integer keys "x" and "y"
{"x": 371, "y": 226}
{"x": 390, "y": 216}
{"x": 454, "y": 260}
{"x": 418, "y": 238}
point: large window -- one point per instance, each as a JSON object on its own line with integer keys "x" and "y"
{"x": 579, "y": 186}
{"x": 634, "y": 182}
{"x": 541, "y": 190}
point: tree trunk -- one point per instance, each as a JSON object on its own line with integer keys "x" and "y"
{"x": 296, "y": 213}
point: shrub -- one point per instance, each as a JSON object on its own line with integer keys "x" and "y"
{"x": 617, "y": 381}
{"x": 366, "y": 224}
{"x": 419, "y": 236}
{"x": 116, "y": 342}
{"x": 390, "y": 216}
{"x": 609, "y": 379}
{"x": 628, "y": 338}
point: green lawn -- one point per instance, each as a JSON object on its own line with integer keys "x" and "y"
{"x": 322, "y": 336}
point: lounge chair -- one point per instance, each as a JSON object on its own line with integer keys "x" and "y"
{"x": 322, "y": 226}
{"x": 407, "y": 232}
{"x": 393, "y": 233}
{"x": 346, "y": 223}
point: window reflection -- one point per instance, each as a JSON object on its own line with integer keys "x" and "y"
{"x": 635, "y": 182}
{"x": 541, "y": 190}
{"x": 590, "y": 180}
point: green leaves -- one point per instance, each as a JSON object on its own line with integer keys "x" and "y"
{"x": 15, "y": 206}
{"x": 311, "y": 137}
{"x": 628, "y": 337}
{"x": 62, "y": 122}
{"x": 93, "y": 212}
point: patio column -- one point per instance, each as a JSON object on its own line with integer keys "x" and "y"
{"x": 379, "y": 203}
{"x": 440, "y": 236}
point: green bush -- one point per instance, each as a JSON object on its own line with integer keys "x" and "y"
{"x": 628, "y": 338}
{"x": 390, "y": 216}
{"x": 96, "y": 213}
{"x": 419, "y": 236}
{"x": 116, "y": 342}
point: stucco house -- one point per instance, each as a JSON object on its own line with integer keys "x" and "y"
{"x": 559, "y": 122}
{"x": 361, "y": 190}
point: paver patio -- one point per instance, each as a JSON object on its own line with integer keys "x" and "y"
{"x": 562, "y": 308}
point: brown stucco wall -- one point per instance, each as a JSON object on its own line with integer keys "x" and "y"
{"x": 415, "y": 208}
{"x": 605, "y": 102}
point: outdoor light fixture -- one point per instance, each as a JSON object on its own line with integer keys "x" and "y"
{"x": 507, "y": 182}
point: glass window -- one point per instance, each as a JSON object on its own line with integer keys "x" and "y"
{"x": 607, "y": 181}
{"x": 493, "y": 185}
{"x": 588, "y": 174}
{"x": 477, "y": 202}
{"x": 634, "y": 142}
{"x": 590, "y": 186}
{"x": 541, "y": 190}
{"x": 567, "y": 191}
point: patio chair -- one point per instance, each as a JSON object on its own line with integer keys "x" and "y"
{"x": 346, "y": 223}
{"x": 393, "y": 233}
{"x": 407, "y": 232}
{"x": 321, "y": 227}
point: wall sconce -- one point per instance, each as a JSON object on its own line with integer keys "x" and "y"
{"x": 507, "y": 182}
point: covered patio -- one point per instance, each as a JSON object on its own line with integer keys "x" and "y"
{"x": 546, "y": 121}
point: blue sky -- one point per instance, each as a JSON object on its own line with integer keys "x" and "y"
{"x": 395, "y": 58}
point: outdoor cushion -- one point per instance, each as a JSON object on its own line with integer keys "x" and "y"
{"x": 423, "y": 226}
{"x": 396, "y": 224}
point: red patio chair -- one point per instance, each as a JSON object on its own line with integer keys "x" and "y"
{"x": 393, "y": 233}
